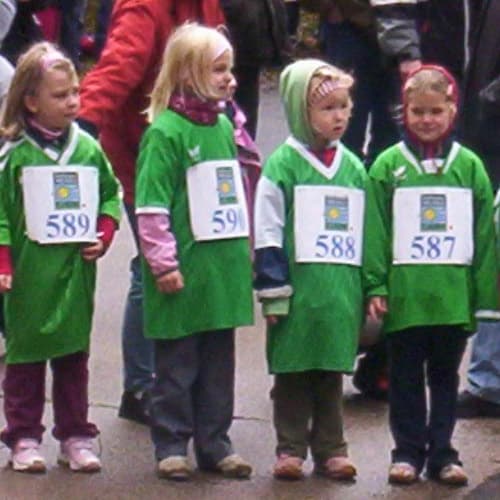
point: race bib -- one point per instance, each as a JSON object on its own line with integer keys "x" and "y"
{"x": 61, "y": 203}
{"x": 328, "y": 224}
{"x": 217, "y": 206}
{"x": 433, "y": 225}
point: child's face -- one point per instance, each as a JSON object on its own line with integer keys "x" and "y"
{"x": 221, "y": 79}
{"x": 56, "y": 102}
{"x": 330, "y": 115}
{"x": 429, "y": 115}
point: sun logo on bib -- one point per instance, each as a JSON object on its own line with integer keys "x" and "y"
{"x": 433, "y": 213}
{"x": 336, "y": 213}
{"x": 66, "y": 190}
{"x": 226, "y": 186}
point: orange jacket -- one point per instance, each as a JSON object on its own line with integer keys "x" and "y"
{"x": 114, "y": 94}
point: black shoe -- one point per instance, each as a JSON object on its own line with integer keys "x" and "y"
{"x": 135, "y": 408}
{"x": 471, "y": 406}
{"x": 371, "y": 380}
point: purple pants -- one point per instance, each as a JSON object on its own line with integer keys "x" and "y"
{"x": 24, "y": 399}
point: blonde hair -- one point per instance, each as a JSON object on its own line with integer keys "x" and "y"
{"x": 31, "y": 67}
{"x": 431, "y": 79}
{"x": 326, "y": 80}
{"x": 186, "y": 65}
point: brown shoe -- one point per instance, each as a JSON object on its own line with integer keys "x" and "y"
{"x": 338, "y": 468}
{"x": 453, "y": 474}
{"x": 402, "y": 473}
{"x": 233, "y": 466}
{"x": 288, "y": 467}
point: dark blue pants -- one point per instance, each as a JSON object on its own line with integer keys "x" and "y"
{"x": 352, "y": 50}
{"x": 423, "y": 432}
{"x": 193, "y": 396}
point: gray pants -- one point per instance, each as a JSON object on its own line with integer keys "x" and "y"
{"x": 193, "y": 396}
{"x": 308, "y": 413}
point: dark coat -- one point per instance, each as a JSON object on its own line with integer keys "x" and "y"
{"x": 258, "y": 31}
{"x": 481, "y": 99}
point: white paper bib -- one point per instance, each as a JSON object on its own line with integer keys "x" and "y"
{"x": 61, "y": 203}
{"x": 217, "y": 206}
{"x": 328, "y": 224}
{"x": 433, "y": 225}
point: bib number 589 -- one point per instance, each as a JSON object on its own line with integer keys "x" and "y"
{"x": 67, "y": 224}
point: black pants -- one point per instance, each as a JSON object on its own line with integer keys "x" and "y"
{"x": 421, "y": 434}
{"x": 193, "y": 396}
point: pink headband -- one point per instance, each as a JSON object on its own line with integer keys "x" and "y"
{"x": 222, "y": 46}
{"x": 326, "y": 87}
{"x": 51, "y": 58}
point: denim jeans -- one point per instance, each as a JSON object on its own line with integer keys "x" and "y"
{"x": 138, "y": 352}
{"x": 484, "y": 368}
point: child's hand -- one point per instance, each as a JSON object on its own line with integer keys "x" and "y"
{"x": 171, "y": 282}
{"x": 5, "y": 282}
{"x": 93, "y": 251}
{"x": 272, "y": 319}
{"x": 377, "y": 307}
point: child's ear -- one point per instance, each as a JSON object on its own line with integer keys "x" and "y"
{"x": 453, "y": 110}
{"x": 31, "y": 103}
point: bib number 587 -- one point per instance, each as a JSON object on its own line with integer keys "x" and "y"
{"x": 432, "y": 247}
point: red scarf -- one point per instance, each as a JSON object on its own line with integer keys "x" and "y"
{"x": 195, "y": 109}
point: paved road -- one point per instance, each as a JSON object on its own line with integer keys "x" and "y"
{"x": 127, "y": 453}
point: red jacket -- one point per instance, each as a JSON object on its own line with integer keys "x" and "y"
{"x": 114, "y": 94}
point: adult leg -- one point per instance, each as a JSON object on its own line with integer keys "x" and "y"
{"x": 72, "y": 16}
{"x": 70, "y": 397}
{"x": 177, "y": 367}
{"x": 213, "y": 397}
{"x": 347, "y": 48}
{"x": 24, "y": 399}
{"x": 447, "y": 345}
{"x": 137, "y": 351}
{"x": 484, "y": 369}
{"x": 407, "y": 398}
{"x": 247, "y": 94}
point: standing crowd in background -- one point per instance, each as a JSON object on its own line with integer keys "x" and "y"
{"x": 379, "y": 207}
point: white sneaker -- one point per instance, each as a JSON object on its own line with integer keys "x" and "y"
{"x": 76, "y": 452}
{"x": 26, "y": 456}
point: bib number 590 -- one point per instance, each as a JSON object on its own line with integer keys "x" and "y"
{"x": 67, "y": 224}
{"x": 226, "y": 220}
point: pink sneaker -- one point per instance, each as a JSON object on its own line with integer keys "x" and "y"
{"x": 76, "y": 452}
{"x": 26, "y": 457}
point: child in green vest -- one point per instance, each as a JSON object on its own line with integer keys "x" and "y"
{"x": 193, "y": 231}
{"x": 59, "y": 208}
{"x": 308, "y": 252}
{"x": 431, "y": 272}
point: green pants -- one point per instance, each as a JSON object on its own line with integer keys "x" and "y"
{"x": 308, "y": 413}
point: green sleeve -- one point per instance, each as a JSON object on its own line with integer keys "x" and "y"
{"x": 378, "y": 231}
{"x": 157, "y": 170}
{"x": 5, "y": 194}
{"x": 484, "y": 265}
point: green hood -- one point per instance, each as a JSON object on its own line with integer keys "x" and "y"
{"x": 294, "y": 82}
